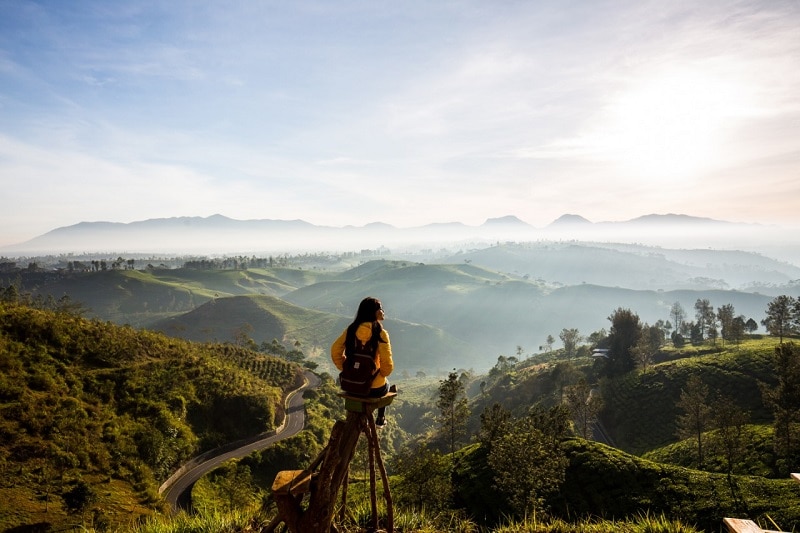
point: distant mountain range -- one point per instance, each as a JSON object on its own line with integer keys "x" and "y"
{"x": 218, "y": 234}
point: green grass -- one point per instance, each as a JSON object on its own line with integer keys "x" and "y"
{"x": 255, "y": 519}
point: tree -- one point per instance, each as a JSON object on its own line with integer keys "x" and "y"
{"x": 677, "y": 314}
{"x": 625, "y": 331}
{"x": 424, "y": 481}
{"x": 504, "y": 365}
{"x": 584, "y": 407}
{"x": 737, "y": 328}
{"x": 236, "y": 483}
{"x": 782, "y": 316}
{"x": 528, "y": 461}
{"x": 730, "y": 438}
{"x": 570, "y": 338}
{"x": 696, "y": 415}
{"x": 79, "y": 497}
{"x": 563, "y": 374}
{"x": 650, "y": 341}
{"x": 549, "y": 343}
{"x": 495, "y": 422}
{"x": 596, "y": 338}
{"x": 725, "y": 316}
{"x": 695, "y": 334}
{"x": 750, "y": 326}
{"x": 704, "y": 315}
{"x": 453, "y": 407}
{"x": 784, "y": 399}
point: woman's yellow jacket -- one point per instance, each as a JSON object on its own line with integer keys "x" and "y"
{"x": 383, "y": 361}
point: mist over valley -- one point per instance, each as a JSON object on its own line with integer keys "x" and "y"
{"x": 456, "y": 296}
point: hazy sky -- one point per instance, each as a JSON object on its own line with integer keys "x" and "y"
{"x": 406, "y": 112}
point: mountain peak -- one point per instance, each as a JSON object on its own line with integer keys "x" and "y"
{"x": 569, "y": 220}
{"x": 508, "y": 220}
{"x": 672, "y": 218}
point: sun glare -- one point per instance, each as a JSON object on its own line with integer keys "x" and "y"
{"x": 671, "y": 126}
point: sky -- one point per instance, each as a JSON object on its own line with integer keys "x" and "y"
{"x": 410, "y": 112}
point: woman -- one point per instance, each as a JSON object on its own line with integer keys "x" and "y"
{"x": 369, "y": 315}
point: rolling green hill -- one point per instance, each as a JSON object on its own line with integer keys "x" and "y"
{"x": 139, "y": 297}
{"x": 94, "y": 415}
{"x": 640, "y": 408}
{"x": 633, "y": 266}
{"x": 495, "y": 313}
{"x": 482, "y": 313}
{"x": 264, "y": 318}
{"x": 602, "y": 481}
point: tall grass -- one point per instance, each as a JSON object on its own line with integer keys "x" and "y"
{"x": 254, "y": 519}
{"x": 644, "y": 523}
{"x": 205, "y": 521}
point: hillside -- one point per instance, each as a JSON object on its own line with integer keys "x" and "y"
{"x": 96, "y": 416}
{"x": 603, "y": 481}
{"x": 475, "y": 313}
{"x": 495, "y": 313}
{"x": 264, "y": 318}
{"x": 138, "y": 297}
{"x": 218, "y": 234}
{"x": 633, "y": 266}
{"x": 640, "y": 408}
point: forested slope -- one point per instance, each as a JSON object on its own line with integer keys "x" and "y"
{"x": 96, "y": 416}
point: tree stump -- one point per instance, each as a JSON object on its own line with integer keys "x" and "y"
{"x": 333, "y": 463}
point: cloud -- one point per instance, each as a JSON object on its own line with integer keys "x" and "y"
{"x": 407, "y": 113}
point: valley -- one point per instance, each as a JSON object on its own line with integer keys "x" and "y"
{"x": 493, "y": 317}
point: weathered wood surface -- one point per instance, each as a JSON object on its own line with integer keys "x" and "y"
{"x": 322, "y": 487}
{"x": 293, "y": 482}
{"x": 739, "y": 525}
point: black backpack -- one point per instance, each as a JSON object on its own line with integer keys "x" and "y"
{"x": 359, "y": 366}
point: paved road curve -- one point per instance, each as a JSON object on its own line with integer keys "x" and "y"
{"x": 176, "y": 489}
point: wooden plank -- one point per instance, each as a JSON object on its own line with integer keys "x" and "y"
{"x": 358, "y": 404}
{"x": 737, "y": 525}
{"x": 294, "y": 482}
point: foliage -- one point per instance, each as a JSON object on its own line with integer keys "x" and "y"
{"x": 583, "y": 407}
{"x": 695, "y": 417}
{"x": 87, "y": 400}
{"x": 621, "y": 485}
{"x": 624, "y": 334}
{"x": 452, "y": 405}
{"x": 641, "y": 409}
{"x": 425, "y": 480}
{"x": 783, "y": 316}
{"x": 495, "y": 422}
{"x": 528, "y": 462}
{"x": 784, "y": 400}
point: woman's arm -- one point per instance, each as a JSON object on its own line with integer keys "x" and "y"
{"x": 337, "y": 350}
{"x": 385, "y": 354}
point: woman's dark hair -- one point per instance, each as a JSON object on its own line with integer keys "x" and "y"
{"x": 367, "y": 312}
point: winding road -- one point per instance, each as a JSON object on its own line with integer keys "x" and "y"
{"x": 176, "y": 490}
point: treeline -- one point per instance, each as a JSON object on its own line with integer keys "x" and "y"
{"x": 71, "y": 263}
{"x": 633, "y": 343}
{"x": 504, "y": 449}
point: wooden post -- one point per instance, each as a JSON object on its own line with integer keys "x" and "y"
{"x": 290, "y": 486}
